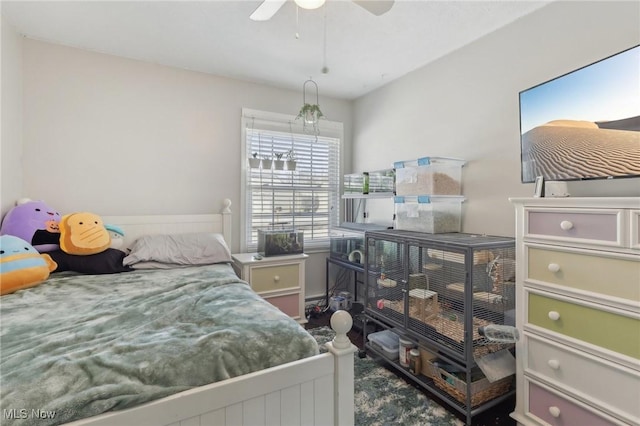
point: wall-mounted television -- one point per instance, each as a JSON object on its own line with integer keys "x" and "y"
{"x": 584, "y": 124}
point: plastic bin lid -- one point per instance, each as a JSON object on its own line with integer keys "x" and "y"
{"x": 386, "y": 338}
{"x": 427, "y": 199}
{"x": 425, "y": 161}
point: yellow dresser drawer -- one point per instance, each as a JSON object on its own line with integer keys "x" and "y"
{"x": 601, "y": 328}
{"x": 604, "y": 275}
{"x": 567, "y": 367}
{"x": 270, "y": 278}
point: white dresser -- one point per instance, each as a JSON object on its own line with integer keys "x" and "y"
{"x": 578, "y": 310}
{"x": 278, "y": 279}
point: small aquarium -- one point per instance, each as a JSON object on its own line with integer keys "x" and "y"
{"x": 280, "y": 242}
{"x": 347, "y": 241}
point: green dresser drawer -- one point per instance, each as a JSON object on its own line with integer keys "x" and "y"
{"x": 604, "y": 275}
{"x": 601, "y": 328}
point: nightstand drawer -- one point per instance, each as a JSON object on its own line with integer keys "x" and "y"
{"x": 580, "y": 373}
{"x": 587, "y": 226}
{"x": 559, "y": 411}
{"x": 287, "y": 304}
{"x": 618, "y": 333}
{"x": 587, "y": 272}
{"x": 270, "y": 278}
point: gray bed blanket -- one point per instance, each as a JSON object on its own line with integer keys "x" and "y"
{"x": 79, "y": 345}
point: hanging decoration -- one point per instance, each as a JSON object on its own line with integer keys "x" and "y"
{"x": 254, "y": 161}
{"x": 291, "y": 155}
{"x": 310, "y": 113}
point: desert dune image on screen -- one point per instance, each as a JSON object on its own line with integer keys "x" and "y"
{"x": 585, "y": 124}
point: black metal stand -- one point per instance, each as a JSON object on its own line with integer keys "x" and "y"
{"x": 356, "y": 268}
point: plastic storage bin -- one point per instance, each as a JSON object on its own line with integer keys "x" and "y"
{"x": 429, "y": 176}
{"x": 382, "y": 181}
{"x": 355, "y": 183}
{"x": 387, "y": 342}
{"x": 431, "y": 214}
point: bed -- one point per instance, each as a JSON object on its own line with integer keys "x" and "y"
{"x": 190, "y": 345}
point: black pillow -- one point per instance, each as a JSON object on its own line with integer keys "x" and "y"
{"x": 106, "y": 262}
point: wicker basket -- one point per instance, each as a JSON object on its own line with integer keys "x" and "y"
{"x": 482, "y": 390}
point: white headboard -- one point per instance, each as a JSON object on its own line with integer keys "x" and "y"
{"x": 136, "y": 226}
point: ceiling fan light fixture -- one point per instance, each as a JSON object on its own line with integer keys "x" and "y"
{"x": 310, "y": 4}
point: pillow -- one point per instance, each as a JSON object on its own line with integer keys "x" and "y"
{"x": 35, "y": 222}
{"x": 106, "y": 262}
{"x": 83, "y": 233}
{"x": 157, "y": 265}
{"x": 198, "y": 248}
{"x": 21, "y": 266}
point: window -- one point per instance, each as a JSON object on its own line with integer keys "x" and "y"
{"x": 306, "y": 198}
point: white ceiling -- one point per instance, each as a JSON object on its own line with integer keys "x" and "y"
{"x": 363, "y": 51}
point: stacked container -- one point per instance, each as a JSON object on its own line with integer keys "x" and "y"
{"x": 379, "y": 181}
{"x": 429, "y": 195}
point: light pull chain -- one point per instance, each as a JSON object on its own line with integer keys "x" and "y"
{"x": 297, "y": 23}
{"x": 325, "y": 68}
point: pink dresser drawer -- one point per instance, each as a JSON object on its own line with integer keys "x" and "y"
{"x": 289, "y": 304}
{"x": 590, "y": 226}
{"x": 558, "y": 411}
{"x": 559, "y": 363}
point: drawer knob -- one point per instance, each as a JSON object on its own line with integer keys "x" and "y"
{"x": 554, "y": 411}
{"x": 276, "y": 278}
{"x": 566, "y": 225}
{"x": 553, "y": 267}
{"x": 554, "y": 316}
{"x": 554, "y": 364}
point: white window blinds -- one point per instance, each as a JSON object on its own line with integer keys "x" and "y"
{"x": 304, "y": 197}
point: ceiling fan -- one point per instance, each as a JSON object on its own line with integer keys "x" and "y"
{"x": 268, "y": 8}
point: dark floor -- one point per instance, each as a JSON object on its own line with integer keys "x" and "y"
{"x": 495, "y": 416}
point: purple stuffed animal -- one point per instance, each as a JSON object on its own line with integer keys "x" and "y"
{"x": 34, "y": 222}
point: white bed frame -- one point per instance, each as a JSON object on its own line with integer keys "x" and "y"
{"x": 312, "y": 391}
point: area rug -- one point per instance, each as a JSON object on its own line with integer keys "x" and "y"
{"x": 382, "y": 398}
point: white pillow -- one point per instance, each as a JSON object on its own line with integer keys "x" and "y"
{"x": 198, "y": 248}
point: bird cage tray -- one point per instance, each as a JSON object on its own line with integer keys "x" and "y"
{"x": 480, "y": 388}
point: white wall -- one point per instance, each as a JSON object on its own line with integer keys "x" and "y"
{"x": 466, "y": 105}
{"x": 118, "y": 136}
{"x": 11, "y": 146}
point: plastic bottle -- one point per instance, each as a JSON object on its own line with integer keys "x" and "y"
{"x": 365, "y": 183}
{"x": 499, "y": 333}
{"x": 415, "y": 365}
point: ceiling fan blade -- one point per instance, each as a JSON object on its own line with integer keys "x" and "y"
{"x": 377, "y": 7}
{"x": 266, "y": 10}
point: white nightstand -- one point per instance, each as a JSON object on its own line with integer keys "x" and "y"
{"x": 278, "y": 279}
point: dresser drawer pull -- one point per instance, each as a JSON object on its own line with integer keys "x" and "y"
{"x": 554, "y": 316}
{"x": 276, "y": 278}
{"x": 553, "y": 267}
{"x": 566, "y": 225}
{"x": 554, "y": 364}
{"x": 554, "y": 411}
